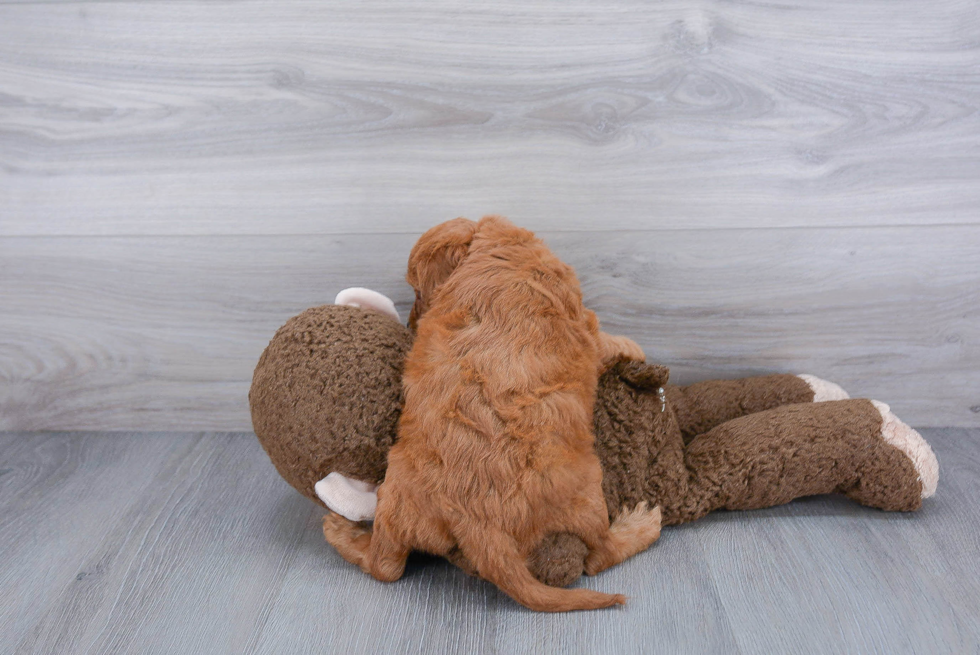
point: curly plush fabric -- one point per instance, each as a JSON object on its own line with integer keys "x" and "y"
{"x": 761, "y": 443}
{"x": 703, "y": 405}
{"x": 733, "y": 444}
{"x": 327, "y": 393}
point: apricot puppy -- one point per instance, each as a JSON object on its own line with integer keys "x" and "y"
{"x": 495, "y": 444}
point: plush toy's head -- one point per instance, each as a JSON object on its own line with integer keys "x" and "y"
{"x": 326, "y": 396}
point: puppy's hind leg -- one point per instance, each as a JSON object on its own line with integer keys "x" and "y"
{"x": 350, "y": 539}
{"x": 374, "y": 552}
{"x": 387, "y": 555}
{"x": 632, "y": 532}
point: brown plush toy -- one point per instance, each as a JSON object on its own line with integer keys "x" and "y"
{"x": 326, "y": 397}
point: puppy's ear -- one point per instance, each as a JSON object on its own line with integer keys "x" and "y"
{"x": 434, "y": 257}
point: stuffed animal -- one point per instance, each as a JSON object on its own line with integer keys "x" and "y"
{"x": 326, "y": 397}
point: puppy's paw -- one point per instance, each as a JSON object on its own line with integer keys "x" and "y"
{"x": 641, "y": 524}
{"x": 633, "y": 531}
{"x": 351, "y": 540}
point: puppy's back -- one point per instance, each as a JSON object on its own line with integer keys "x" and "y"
{"x": 501, "y": 381}
{"x": 500, "y": 386}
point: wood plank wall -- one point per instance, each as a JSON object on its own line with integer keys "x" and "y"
{"x": 743, "y": 187}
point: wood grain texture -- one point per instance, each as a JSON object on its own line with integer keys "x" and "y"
{"x": 744, "y": 187}
{"x": 302, "y": 117}
{"x": 165, "y": 543}
{"x": 209, "y": 534}
{"x": 59, "y": 495}
{"x": 163, "y": 332}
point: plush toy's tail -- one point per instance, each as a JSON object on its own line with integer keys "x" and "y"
{"x": 497, "y": 559}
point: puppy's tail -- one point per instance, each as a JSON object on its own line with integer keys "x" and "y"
{"x": 497, "y": 559}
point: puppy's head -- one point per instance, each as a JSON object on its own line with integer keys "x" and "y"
{"x": 433, "y": 259}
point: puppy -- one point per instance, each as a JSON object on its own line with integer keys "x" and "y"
{"x": 495, "y": 444}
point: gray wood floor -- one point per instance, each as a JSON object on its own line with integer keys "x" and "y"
{"x": 743, "y": 186}
{"x": 187, "y": 543}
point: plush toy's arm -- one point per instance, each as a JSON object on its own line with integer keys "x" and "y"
{"x": 701, "y": 406}
{"x": 614, "y": 349}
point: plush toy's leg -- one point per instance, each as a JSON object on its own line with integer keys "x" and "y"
{"x": 700, "y": 407}
{"x": 856, "y": 447}
{"x": 824, "y": 390}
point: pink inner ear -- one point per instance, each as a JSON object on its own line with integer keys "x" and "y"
{"x": 368, "y": 299}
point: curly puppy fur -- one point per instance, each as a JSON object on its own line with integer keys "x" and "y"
{"x": 495, "y": 446}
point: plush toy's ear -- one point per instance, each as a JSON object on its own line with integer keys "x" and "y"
{"x": 434, "y": 257}
{"x": 642, "y": 375}
{"x": 352, "y": 499}
{"x": 367, "y": 299}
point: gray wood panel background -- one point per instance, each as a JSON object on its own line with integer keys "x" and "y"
{"x": 744, "y": 188}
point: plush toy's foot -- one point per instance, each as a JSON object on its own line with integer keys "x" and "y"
{"x": 900, "y": 475}
{"x": 910, "y": 442}
{"x": 823, "y": 390}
